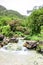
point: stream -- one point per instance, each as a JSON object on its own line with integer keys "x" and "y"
{"x": 15, "y": 47}
{"x": 19, "y": 54}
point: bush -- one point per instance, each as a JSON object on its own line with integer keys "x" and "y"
{"x": 19, "y": 33}
{"x": 10, "y": 34}
{"x": 35, "y": 21}
{"x": 6, "y": 30}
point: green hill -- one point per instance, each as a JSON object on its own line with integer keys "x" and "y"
{"x": 2, "y": 8}
{"x": 10, "y": 13}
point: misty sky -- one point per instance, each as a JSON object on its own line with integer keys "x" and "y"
{"x": 21, "y": 5}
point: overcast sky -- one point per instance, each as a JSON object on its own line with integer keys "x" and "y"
{"x": 21, "y": 5}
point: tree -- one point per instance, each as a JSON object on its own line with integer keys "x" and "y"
{"x": 36, "y": 20}
{"x": 6, "y": 31}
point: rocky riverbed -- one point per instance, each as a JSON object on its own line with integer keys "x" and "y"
{"x": 16, "y": 54}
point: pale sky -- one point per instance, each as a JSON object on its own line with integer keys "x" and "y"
{"x": 21, "y": 5}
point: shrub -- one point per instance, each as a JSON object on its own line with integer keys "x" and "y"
{"x": 35, "y": 37}
{"x": 6, "y": 30}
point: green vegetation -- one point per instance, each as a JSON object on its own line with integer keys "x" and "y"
{"x": 13, "y": 23}
{"x": 35, "y": 24}
{"x": 36, "y": 20}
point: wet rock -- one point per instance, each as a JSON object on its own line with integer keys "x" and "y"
{"x": 1, "y": 44}
{"x": 13, "y": 40}
{"x": 6, "y": 40}
{"x": 30, "y": 44}
{"x": 1, "y": 37}
{"x": 25, "y": 44}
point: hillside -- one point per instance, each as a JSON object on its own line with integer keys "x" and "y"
{"x": 10, "y": 13}
{"x": 2, "y": 8}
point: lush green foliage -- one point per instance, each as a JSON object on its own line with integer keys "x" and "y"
{"x": 10, "y": 22}
{"x": 13, "y": 23}
{"x": 36, "y": 20}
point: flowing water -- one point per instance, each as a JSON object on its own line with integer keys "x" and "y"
{"x": 16, "y": 47}
{"x": 16, "y": 54}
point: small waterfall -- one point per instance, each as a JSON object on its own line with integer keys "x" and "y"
{"x": 20, "y": 43}
{"x": 15, "y": 47}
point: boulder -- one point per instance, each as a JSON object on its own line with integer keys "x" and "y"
{"x": 1, "y": 44}
{"x": 26, "y": 32}
{"x": 6, "y": 40}
{"x": 1, "y": 37}
{"x": 30, "y": 44}
{"x": 13, "y": 40}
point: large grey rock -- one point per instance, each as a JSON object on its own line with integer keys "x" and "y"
{"x": 30, "y": 44}
{"x": 6, "y": 40}
{"x": 1, "y": 44}
{"x": 13, "y": 40}
{"x": 1, "y": 37}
